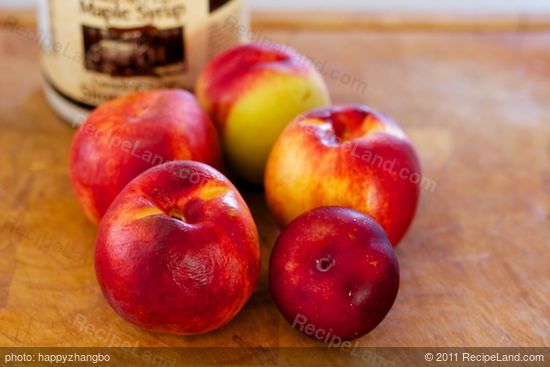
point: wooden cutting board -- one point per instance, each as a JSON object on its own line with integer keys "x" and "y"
{"x": 475, "y": 266}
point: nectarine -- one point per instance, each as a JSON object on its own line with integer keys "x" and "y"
{"x": 124, "y": 137}
{"x": 333, "y": 274}
{"x": 178, "y": 250}
{"x": 252, "y": 92}
{"x": 346, "y": 156}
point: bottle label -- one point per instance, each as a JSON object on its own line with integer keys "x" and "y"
{"x": 96, "y": 50}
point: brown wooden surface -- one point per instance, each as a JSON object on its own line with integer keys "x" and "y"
{"x": 399, "y": 21}
{"x": 474, "y": 267}
{"x": 365, "y": 20}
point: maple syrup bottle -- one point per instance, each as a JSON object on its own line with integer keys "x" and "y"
{"x": 96, "y": 50}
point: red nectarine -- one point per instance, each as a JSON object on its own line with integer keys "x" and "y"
{"x": 346, "y": 156}
{"x": 124, "y": 137}
{"x": 333, "y": 274}
{"x": 178, "y": 250}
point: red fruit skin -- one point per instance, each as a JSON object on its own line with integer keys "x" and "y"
{"x": 126, "y": 136}
{"x": 353, "y": 294}
{"x": 178, "y": 251}
{"x": 348, "y": 156}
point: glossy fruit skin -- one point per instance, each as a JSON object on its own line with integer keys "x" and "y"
{"x": 178, "y": 250}
{"x": 126, "y": 136}
{"x": 348, "y": 156}
{"x": 333, "y": 269}
{"x": 252, "y": 92}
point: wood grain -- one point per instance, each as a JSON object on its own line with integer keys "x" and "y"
{"x": 362, "y": 20}
{"x": 474, "y": 265}
{"x": 399, "y": 21}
